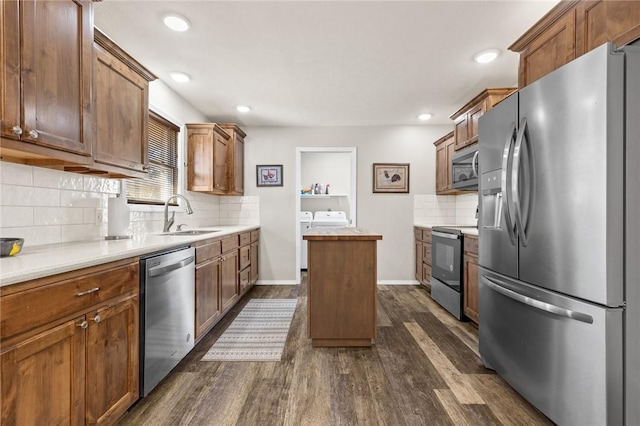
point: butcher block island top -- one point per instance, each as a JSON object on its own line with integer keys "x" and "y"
{"x": 341, "y": 286}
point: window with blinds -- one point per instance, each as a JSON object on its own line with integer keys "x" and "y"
{"x": 162, "y": 180}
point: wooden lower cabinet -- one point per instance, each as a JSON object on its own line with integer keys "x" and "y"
{"x": 43, "y": 377}
{"x": 423, "y": 255}
{"x": 208, "y": 309}
{"x": 112, "y": 360}
{"x": 470, "y": 282}
{"x": 69, "y": 346}
{"x": 253, "y": 268}
{"x": 226, "y": 268}
{"x": 229, "y": 279}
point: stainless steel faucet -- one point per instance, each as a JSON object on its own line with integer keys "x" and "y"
{"x": 168, "y": 222}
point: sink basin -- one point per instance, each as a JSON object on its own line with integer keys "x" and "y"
{"x": 191, "y": 232}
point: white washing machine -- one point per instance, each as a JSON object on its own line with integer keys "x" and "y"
{"x": 306, "y": 219}
{"x": 330, "y": 219}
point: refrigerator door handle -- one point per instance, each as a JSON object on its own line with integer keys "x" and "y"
{"x": 505, "y": 183}
{"x": 497, "y": 286}
{"x": 515, "y": 181}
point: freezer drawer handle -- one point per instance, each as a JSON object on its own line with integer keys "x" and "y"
{"x": 543, "y": 306}
{"x": 159, "y": 270}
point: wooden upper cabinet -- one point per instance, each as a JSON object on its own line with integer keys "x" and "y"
{"x": 235, "y": 158}
{"x": 466, "y": 118}
{"x": 45, "y": 68}
{"x": 571, "y": 29}
{"x": 207, "y": 158}
{"x": 444, "y": 148}
{"x": 121, "y": 110}
{"x": 607, "y": 20}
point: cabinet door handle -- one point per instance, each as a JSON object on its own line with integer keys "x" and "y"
{"x": 34, "y": 134}
{"x": 97, "y": 318}
{"x": 83, "y": 324}
{"x": 16, "y": 130}
{"x": 84, "y": 293}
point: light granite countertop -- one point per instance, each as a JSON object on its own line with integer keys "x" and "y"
{"x": 466, "y": 231}
{"x": 41, "y": 261}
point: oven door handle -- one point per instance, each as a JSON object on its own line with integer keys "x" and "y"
{"x": 445, "y": 235}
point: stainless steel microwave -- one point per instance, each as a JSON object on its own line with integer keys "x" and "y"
{"x": 464, "y": 169}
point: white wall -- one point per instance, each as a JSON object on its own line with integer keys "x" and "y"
{"x": 391, "y": 215}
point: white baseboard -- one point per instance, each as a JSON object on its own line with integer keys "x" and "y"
{"x": 277, "y": 282}
{"x": 398, "y": 282}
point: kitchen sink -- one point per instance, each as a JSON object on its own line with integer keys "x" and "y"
{"x": 191, "y": 232}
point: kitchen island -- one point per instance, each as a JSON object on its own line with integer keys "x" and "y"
{"x": 341, "y": 289}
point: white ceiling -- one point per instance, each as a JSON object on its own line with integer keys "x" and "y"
{"x": 325, "y": 63}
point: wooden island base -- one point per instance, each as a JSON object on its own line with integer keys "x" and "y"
{"x": 342, "y": 286}
{"x": 328, "y": 343}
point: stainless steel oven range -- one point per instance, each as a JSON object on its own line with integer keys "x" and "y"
{"x": 446, "y": 268}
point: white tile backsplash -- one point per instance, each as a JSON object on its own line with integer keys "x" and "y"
{"x": 47, "y": 206}
{"x": 46, "y": 178}
{"x": 15, "y": 174}
{"x": 445, "y": 209}
{"x": 14, "y": 195}
{"x": 11, "y": 216}
{"x": 57, "y": 216}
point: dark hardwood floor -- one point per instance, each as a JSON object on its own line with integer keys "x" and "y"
{"x": 424, "y": 369}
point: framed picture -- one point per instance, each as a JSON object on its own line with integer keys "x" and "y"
{"x": 269, "y": 175}
{"x": 391, "y": 177}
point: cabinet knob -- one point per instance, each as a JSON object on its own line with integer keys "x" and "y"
{"x": 145, "y": 167}
{"x": 34, "y": 134}
{"x": 83, "y": 324}
{"x": 16, "y": 130}
{"x": 97, "y": 318}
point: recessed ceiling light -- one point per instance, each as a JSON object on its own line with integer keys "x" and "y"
{"x": 180, "y": 77}
{"x": 425, "y": 116}
{"x": 486, "y": 56}
{"x": 176, "y": 22}
{"x": 243, "y": 108}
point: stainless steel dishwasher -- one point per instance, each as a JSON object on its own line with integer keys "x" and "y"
{"x": 167, "y": 313}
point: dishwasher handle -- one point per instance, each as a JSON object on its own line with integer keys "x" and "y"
{"x": 165, "y": 269}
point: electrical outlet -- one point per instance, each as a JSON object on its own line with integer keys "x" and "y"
{"x": 99, "y": 216}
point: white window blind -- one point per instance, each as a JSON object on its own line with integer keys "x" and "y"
{"x": 162, "y": 180}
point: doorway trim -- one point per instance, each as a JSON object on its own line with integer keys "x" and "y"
{"x": 352, "y": 194}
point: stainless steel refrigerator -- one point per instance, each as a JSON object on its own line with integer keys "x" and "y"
{"x": 560, "y": 240}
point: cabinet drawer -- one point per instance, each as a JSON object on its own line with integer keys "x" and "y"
{"x": 418, "y": 233}
{"x": 208, "y": 251}
{"x": 39, "y": 306}
{"x": 426, "y": 253}
{"x": 244, "y": 278}
{"x": 471, "y": 244}
{"x": 245, "y": 257}
{"x": 255, "y": 235}
{"x": 229, "y": 243}
{"x": 426, "y": 273}
{"x": 245, "y": 238}
{"x": 426, "y": 235}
